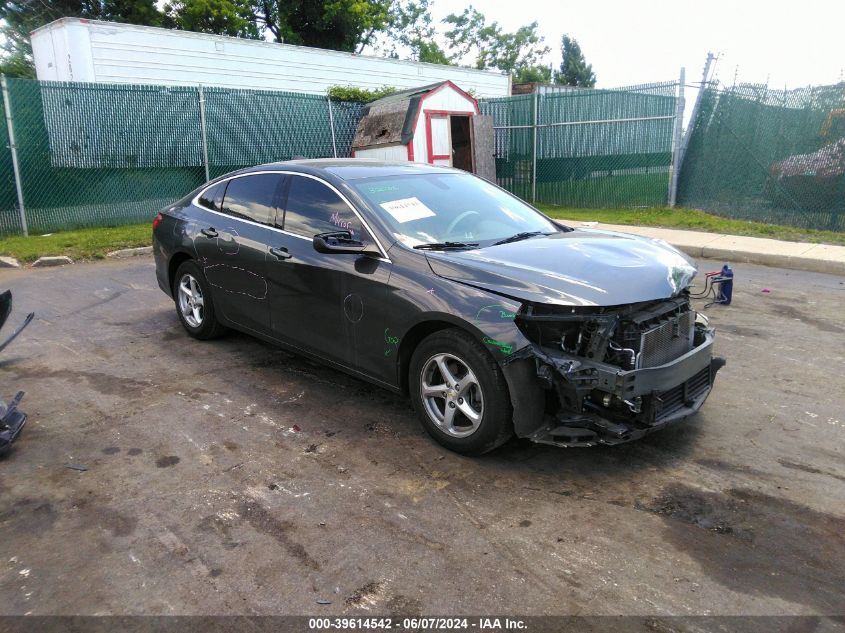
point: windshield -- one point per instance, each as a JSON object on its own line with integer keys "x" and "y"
{"x": 440, "y": 208}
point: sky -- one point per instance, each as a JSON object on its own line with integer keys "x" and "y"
{"x": 788, "y": 44}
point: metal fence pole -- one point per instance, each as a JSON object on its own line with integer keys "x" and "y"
{"x": 676, "y": 141}
{"x": 201, "y": 94}
{"x": 331, "y": 124}
{"x": 704, "y": 81}
{"x": 534, "y": 148}
{"x": 14, "y": 149}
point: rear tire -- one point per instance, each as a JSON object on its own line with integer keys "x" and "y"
{"x": 194, "y": 305}
{"x": 459, "y": 393}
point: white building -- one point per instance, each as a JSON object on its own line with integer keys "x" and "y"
{"x": 74, "y": 49}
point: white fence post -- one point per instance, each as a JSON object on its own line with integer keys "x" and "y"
{"x": 704, "y": 81}
{"x": 534, "y": 148}
{"x": 201, "y": 94}
{"x": 14, "y": 149}
{"x": 331, "y": 123}
{"x": 676, "y": 141}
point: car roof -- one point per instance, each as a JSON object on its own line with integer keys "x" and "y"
{"x": 355, "y": 168}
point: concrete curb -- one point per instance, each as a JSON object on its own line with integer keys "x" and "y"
{"x": 9, "y": 262}
{"x": 130, "y": 252}
{"x": 43, "y": 262}
{"x": 819, "y": 258}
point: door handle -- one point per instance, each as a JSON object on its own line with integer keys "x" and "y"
{"x": 209, "y": 232}
{"x": 281, "y": 252}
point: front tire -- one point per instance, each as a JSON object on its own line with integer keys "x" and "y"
{"x": 459, "y": 393}
{"x": 194, "y": 305}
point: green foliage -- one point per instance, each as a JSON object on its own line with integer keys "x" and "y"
{"x": 493, "y": 48}
{"x": 359, "y": 95}
{"x": 221, "y": 17}
{"x": 432, "y": 53}
{"x": 533, "y": 74}
{"x": 20, "y": 17}
{"x": 342, "y": 25}
{"x": 411, "y": 26}
{"x": 17, "y": 64}
{"x": 574, "y": 69}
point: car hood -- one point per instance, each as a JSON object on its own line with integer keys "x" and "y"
{"x": 577, "y": 268}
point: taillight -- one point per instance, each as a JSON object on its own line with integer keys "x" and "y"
{"x": 157, "y": 221}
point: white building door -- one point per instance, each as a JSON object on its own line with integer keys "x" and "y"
{"x": 439, "y": 139}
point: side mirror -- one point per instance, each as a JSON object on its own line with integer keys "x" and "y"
{"x": 338, "y": 242}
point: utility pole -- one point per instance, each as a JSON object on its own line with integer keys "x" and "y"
{"x": 676, "y": 141}
{"x": 13, "y": 147}
{"x": 705, "y": 80}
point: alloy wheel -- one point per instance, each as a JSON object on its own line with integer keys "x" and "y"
{"x": 451, "y": 395}
{"x": 191, "y": 301}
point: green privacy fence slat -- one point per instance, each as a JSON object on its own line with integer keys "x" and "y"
{"x": 513, "y": 147}
{"x": 769, "y": 155}
{"x": 595, "y": 148}
{"x": 109, "y": 154}
{"x": 102, "y": 155}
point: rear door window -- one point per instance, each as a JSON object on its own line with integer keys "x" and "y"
{"x": 253, "y": 197}
{"x": 313, "y": 208}
{"x": 212, "y": 198}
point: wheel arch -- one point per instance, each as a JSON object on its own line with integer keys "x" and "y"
{"x": 423, "y": 328}
{"x": 177, "y": 259}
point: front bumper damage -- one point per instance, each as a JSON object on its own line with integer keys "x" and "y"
{"x": 598, "y": 403}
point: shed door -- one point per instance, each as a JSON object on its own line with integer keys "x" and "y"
{"x": 483, "y": 146}
{"x": 439, "y": 139}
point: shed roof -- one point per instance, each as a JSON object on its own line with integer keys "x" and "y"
{"x": 390, "y": 120}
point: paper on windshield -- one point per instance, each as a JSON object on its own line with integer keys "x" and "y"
{"x": 407, "y": 209}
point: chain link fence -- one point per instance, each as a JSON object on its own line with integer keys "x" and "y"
{"x": 588, "y": 148}
{"x": 766, "y": 155}
{"x": 106, "y": 154}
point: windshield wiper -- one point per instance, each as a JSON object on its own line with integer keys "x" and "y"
{"x": 519, "y": 236}
{"x": 438, "y": 246}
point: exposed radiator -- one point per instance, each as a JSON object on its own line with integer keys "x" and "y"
{"x": 667, "y": 341}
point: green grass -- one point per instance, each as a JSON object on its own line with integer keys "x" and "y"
{"x": 96, "y": 242}
{"x": 79, "y": 244}
{"x": 693, "y": 219}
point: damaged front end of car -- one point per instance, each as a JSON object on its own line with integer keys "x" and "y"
{"x": 607, "y": 375}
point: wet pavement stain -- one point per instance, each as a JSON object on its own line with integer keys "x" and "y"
{"x": 167, "y": 460}
{"x": 29, "y": 515}
{"x": 263, "y": 521}
{"x": 96, "y": 516}
{"x": 721, "y": 465}
{"x": 808, "y": 469}
{"x": 111, "y": 450}
{"x": 366, "y": 596}
{"x": 759, "y": 544}
{"x": 105, "y": 384}
{"x": 791, "y": 312}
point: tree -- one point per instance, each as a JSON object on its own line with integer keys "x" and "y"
{"x": 493, "y": 48}
{"x": 533, "y": 74}
{"x": 19, "y": 17}
{"x": 410, "y": 26}
{"x": 574, "y": 69}
{"x": 221, "y": 17}
{"x": 342, "y": 25}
